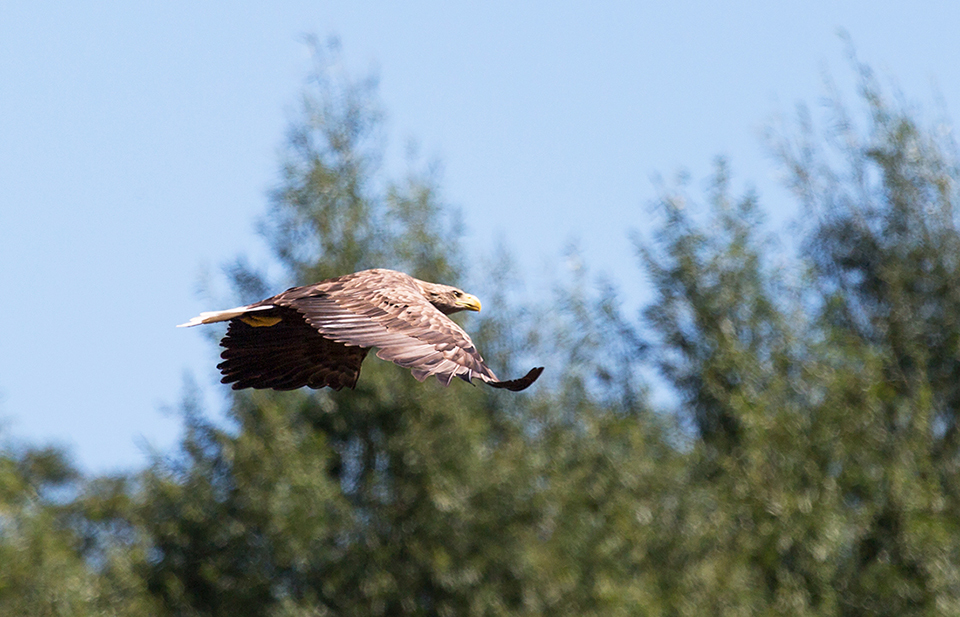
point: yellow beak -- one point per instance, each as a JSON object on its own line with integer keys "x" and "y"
{"x": 471, "y": 303}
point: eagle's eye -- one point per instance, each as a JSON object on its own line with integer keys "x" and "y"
{"x": 457, "y": 294}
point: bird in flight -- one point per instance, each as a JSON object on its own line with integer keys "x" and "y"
{"x": 318, "y": 335}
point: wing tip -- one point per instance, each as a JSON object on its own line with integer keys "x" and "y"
{"x": 516, "y": 385}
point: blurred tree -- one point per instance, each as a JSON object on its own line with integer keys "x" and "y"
{"x": 400, "y": 497}
{"x": 759, "y": 507}
{"x": 395, "y": 498}
{"x": 47, "y": 564}
{"x": 884, "y": 245}
{"x": 808, "y": 466}
{"x": 813, "y": 471}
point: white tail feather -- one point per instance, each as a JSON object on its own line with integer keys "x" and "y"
{"x": 227, "y": 315}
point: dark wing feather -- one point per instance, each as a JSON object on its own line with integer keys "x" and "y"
{"x": 515, "y": 385}
{"x": 387, "y": 310}
{"x": 285, "y": 356}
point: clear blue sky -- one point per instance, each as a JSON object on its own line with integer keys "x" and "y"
{"x": 138, "y": 142}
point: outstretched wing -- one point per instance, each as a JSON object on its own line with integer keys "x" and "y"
{"x": 285, "y": 355}
{"x": 387, "y": 310}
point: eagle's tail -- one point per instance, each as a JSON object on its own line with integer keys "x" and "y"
{"x": 227, "y": 315}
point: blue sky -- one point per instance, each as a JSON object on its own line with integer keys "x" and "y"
{"x": 138, "y": 142}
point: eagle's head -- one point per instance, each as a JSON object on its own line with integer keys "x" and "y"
{"x": 449, "y": 299}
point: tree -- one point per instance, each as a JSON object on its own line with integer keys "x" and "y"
{"x": 373, "y": 501}
{"x": 47, "y": 558}
{"x": 398, "y": 497}
{"x": 759, "y": 510}
{"x": 885, "y": 251}
{"x": 807, "y": 467}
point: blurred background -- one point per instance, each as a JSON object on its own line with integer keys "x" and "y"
{"x": 726, "y": 231}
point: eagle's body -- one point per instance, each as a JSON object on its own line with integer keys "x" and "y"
{"x": 318, "y": 335}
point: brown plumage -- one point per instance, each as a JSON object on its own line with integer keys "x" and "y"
{"x": 318, "y": 335}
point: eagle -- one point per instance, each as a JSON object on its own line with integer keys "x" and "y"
{"x": 318, "y": 335}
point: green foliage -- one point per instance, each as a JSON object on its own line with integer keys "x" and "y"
{"x": 808, "y": 465}
{"x": 398, "y": 497}
{"x": 45, "y": 558}
{"x": 716, "y": 312}
{"x": 885, "y": 251}
{"x": 333, "y": 212}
